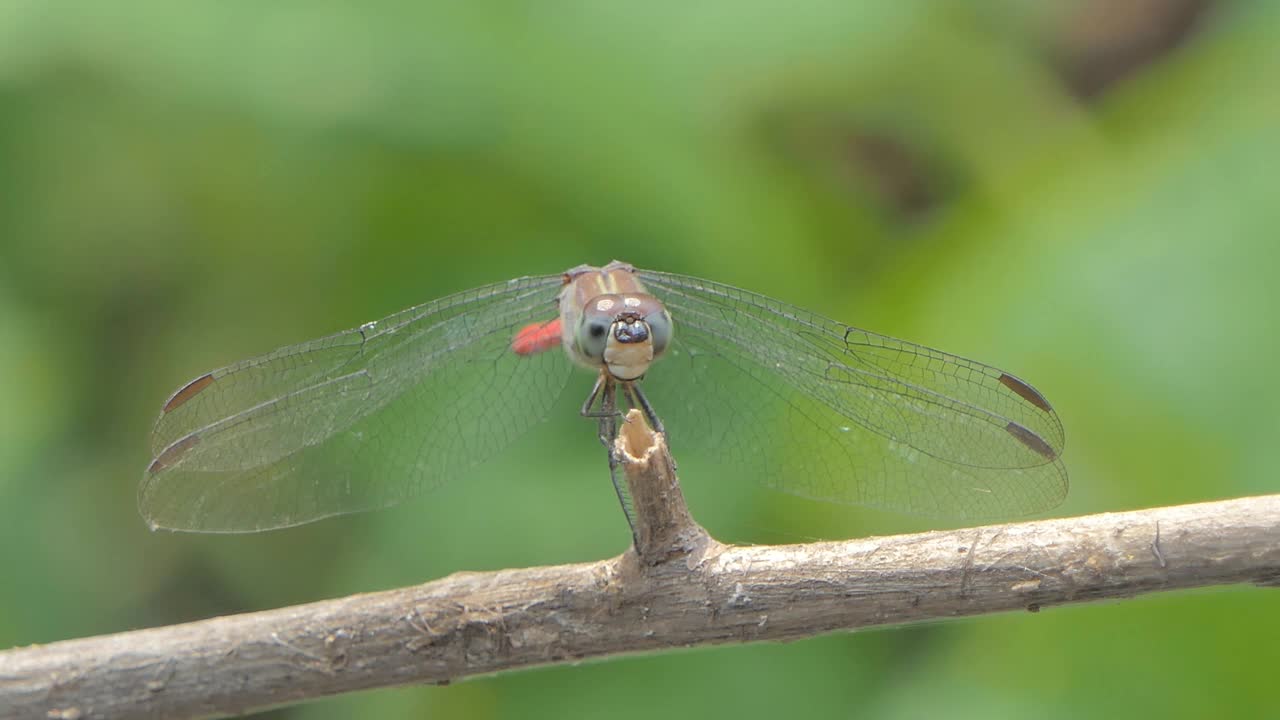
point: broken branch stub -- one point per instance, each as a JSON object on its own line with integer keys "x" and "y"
{"x": 663, "y": 526}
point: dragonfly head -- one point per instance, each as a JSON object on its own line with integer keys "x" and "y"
{"x": 623, "y": 333}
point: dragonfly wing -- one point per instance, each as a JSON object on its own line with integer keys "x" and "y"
{"x": 819, "y": 409}
{"x": 354, "y": 421}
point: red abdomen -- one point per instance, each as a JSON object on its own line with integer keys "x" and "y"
{"x": 536, "y": 338}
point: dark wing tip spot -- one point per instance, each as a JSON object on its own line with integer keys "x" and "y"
{"x": 1025, "y": 391}
{"x": 1031, "y": 440}
{"x": 188, "y": 391}
{"x": 173, "y": 454}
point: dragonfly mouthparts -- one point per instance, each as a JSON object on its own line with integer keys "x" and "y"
{"x": 630, "y": 330}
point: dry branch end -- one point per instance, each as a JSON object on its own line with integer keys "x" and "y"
{"x": 664, "y": 529}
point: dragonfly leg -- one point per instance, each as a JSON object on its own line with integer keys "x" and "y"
{"x": 636, "y": 397}
{"x": 606, "y": 392}
{"x": 608, "y": 414}
{"x": 608, "y": 432}
{"x": 586, "y": 410}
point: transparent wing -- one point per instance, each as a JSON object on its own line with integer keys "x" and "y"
{"x": 822, "y": 410}
{"x": 354, "y": 421}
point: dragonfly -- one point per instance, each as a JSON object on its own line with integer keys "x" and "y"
{"x": 369, "y": 417}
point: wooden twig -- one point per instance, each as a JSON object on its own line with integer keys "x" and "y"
{"x": 663, "y": 526}
{"x": 680, "y": 589}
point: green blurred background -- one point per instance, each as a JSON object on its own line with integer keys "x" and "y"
{"x": 1082, "y": 193}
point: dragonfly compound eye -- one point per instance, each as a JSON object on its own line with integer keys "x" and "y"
{"x": 660, "y": 329}
{"x": 593, "y": 332}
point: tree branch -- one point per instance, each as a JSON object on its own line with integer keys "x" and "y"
{"x": 680, "y": 589}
